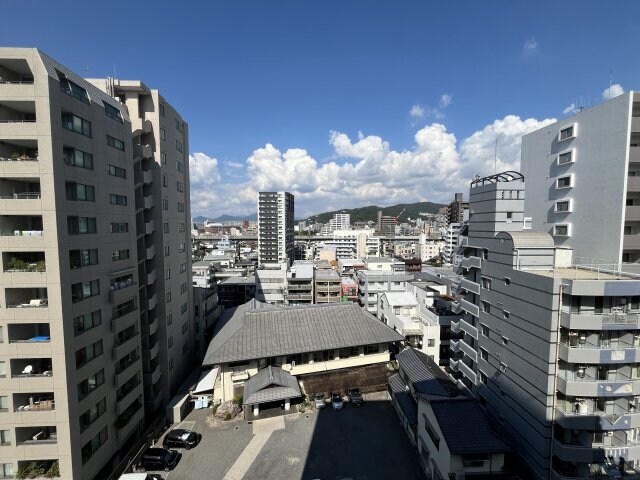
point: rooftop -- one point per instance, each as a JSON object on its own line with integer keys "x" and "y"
{"x": 400, "y": 299}
{"x": 425, "y": 375}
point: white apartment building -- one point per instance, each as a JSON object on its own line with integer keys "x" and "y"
{"x": 427, "y": 249}
{"x": 271, "y": 283}
{"x": 275, "y": 227}
{"x": 354, "y": 243}
{"x": 450, "y": 238}
{"x": 597, "y": 215}
{"x": 340, "y": 221}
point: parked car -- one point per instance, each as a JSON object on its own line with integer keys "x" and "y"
{"x": 318, "y": 400}
{"x": 355, "y": 397}
{"x": 336, "y": 401}
{"x": 139, "y": 476}
{"x": 159, "y": 459}
{"x": 181, "y": 438}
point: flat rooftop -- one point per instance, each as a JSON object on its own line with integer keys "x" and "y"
{"x": 579, "y": 272}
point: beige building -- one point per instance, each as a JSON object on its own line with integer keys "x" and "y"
{"x": 85, "y": 341}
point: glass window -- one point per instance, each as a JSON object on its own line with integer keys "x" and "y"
{"x": 90, "y": 384}
{"x": 179, "y": 146}
{"x": 163, "y": 157}
{"x": 561, "y": 230}
{"x": 117, "y": 255}
{"x": 86, "y": 321}
{"x": 83, "y": 290}
{"x": 564, "y": 182}
{"x": 77, "y": 158}
{"x": 163, "y": 134}
{"x": 165, "y": 181}
{"x": 73, "y": 89}
{"x": 88, "y": 353}
{"x": 80, "y": 192}
{"x": 76, "y": 124}
{"x": 83, "y": 258}
{"x": 119, "y": 227}
{"x": 115, "y": 143}
{"x": 117, "y": 171}
{"x": 162, "y": 111}
{"x": 180, "y": 167}
{"x": 113, "y": 112}
{"x": 562, "y": 206}
{"x": 165, "y": 204}
{"x": 566, "y": 133}
{"x": 5, "y": 437}
{"x": 180, "y": 186}
{"x": 180, "y": 207}
{"x": 117, "y": 199}
{"x": 81, "y": 225}
{"x": 165, "y": 227}
{"x": 94, "y": 444}
{"x": 566, "y": 157}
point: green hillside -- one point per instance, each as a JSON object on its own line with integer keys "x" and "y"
{"x": 364, "y": 214}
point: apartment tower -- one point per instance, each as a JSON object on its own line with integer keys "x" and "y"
{"x": 275, "y": 227}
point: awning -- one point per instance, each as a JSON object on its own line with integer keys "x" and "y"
{"x": 206, "y": 381}
{"x": 412, "y": 332}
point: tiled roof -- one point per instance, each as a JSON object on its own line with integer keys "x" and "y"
{"x": 424, "y": 374}
{"x": 465, "y": 428}
{"x": 404, "y": 399}
{"x": 258, "y": 330}
{"x": 270, "y": 384}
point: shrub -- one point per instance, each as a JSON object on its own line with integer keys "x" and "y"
{"x": 214, "y": 409}
{"x": 238, "y": 399}
{"x": 227, "y": 417}
{"x": 54, "y": 470}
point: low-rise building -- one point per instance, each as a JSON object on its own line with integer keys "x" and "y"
{"x": 349, "y": 289}
{"x": 300, "y": 283}
{"x": 271, "y": 282}
{"x": 373, "y": 283}
{"x": 328, "y": 286}
{"x": 235, "y": 291}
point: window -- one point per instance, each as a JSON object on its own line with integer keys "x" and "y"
{"x": 505, "y": 314}
{"x": 180, "y": 186}
{"x": 179, "y": 146}
{"x": 165, "y": 204}
{"x": 170, "y": 341}
{"x": 167, "y": 250}
{"x": 81, "y": 225}
{"x": 163, "y": 157}
{"x": 486, "y": 307}
{"x": 485, "y": 254}
{"x": 181, "y": 227}
{"x": 183, "y": 288}
{"x": 163, "y": 134}
{"x": 180, "y": 167}
{"x": 370, "y": 349}
{"x": 162, "y": 112}
{"x": 87, "y": 321}
{"x": 561, "y": 230}
{"x": 77, "y": 158}
{"x": 5, "y": 437}
{"x": 170, "y": 319}
{"x": 76, "y": 124}
{"x": 83, "y": 290}
{"x": 165, "y": 227}
{"x": 88, "y": 353}
{"x": 115, "y": 143}
{"x": 484, "y": 354}
{"x": 118, "y": 255}
{"x": 484, "y": 330}
{"x": 117, "y": 171}
{"x": 167, "y": 275}
{"x": 486, "y": 283}
{"x": 567, "y": 133}
{"x": 171, "y": 364}
{"x": 505, "y": 341}
{"x": 83, "y": 258}
{"x": 180, "y": 207}
{"x": 6, "y": 470}
{"x": 4, "y": 403}
{"x": 181, "y": 247}
{"x": 185, "y": 328}
{"x": 113, "y": 112}
{"x": 165, "y": 181}
{"x": 167, "y": 296}
{"x": 183, "y": 267}
{"x": 90, "y": 384}
{"x": 94, "y": 444}
{"x": 80, "y": 192}
{"x": 507, "y": 281}
{"x": 184, "y": 307}
{"x": 564, "y": 182}
{"x": 119, "y": 227}
{"x": 118, "y": 199}
{"x": 562, "y": 206}
{"x": 178, "y": 124}
{"x": 431, "y": 342}
{"x": 92, "y": 414}
{"x": 73, "y": 89}
{"x": 565, "y": 157}
{"x": 483, "y": 377}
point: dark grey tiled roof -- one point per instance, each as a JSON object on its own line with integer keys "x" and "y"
{"x": 270, "y": 384}
{"x": 424, "y": 374}
{"x": 465, "y": 428}
{"x": 404, "y": 399}
{"x": 257, "y": 330}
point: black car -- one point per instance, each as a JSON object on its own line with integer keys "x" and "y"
{"x": 159, "y": 459}
{"x": 181, "y": 439}
{"x": 355, "y": 397}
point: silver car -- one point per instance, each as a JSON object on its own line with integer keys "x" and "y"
{"x": 318, "y": 400}
{"x": 336, "y": 401}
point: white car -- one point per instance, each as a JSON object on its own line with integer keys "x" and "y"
{"x": 336, "y": 401}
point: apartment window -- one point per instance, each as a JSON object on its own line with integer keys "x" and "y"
{"x": 170, "y": 341}
{"x": 178, "y": 124}
{"x": 73, "y": 89}
{"x": 83, "y": 290}
{"x": 184, "y": 327}
{"x": 81, "y": 225}
{"x": 167, "y": 250}
{"x": 180, "y": 186}
{"x": 505, "y": 341}
{"x": 80, "y": 192}
{"x": 484, "y": 330}
{"x": 507, "y": 281}
{"x": 506, "y": 314}
{"x": 567, "y": 133}
{"x": 120, "y": 200}
{"x": 486, "y": 283}
{"x": 163, "y": 134}
{"x": 165, "y": 227}
{"x": 165, "y": 181}
{"x": 167, "y": 275}
{"x": 88, "y": 353}
{"x": 180, "y": 207}
{"x": 183, "y": 267}
{"x": 6, "y": 470}
{"x": 117, "y": 171}
{"x": 509, "y": 217}
{"x": 5, "y": 437}
{"x": 180, "y": 167}
{"x": 183, "y": 288}
{"x": 483, "y": 377}
{"x": 181, "y": 227}
{"x": 87, "y": 321}
{"x": 90, "y": 384}
{"x": 564, "y": 182}
{"x": 77, "y": 158}
{"x": 167, "y": 296}
{"x": 184, "y": 307}
{"x": 179, "y": 146}
{"x": 165, "y": 204}
{"x": 117, "y": 255}
{"x": 83, "y": 258}
{"x": 163, "y": 158}
{"x": 119, "y": 227}
{"x": 76, "y": 124}
{"x": 92, "y": 414}
{"x": 565, "y": 157}
{"x": 115, "y": 143}
{"x": 94, "y": 444}
{"x": 484, "y": 354}
{"x": 162, "y": 111}
{"x": 169, "y": 318}
{"x": 171, "y": 364}
{"x": 486, "y": 307}
{"x": 113, "y": 112}
{"x": 485, "y": 254}
{"x": 561, "y": 230}
{"x": 431, "y": 433}
{"x": 563, "y": 206}
{"x": 628, "y": 230}
{"x": 431, "y": 342}
{"x": 181, "y": 247}
{"x": 185, "y": 347}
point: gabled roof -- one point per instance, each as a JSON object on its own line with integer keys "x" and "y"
{"x": 270, "y": 384}
{"x": 465, "y": 427}
{"x": 258, "y": 330}
{"x": 405, "y": 400}
{"x": 425, "y": 375}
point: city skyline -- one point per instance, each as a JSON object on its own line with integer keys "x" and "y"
{"x": 376, "y": 104}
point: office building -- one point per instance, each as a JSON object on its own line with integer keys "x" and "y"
{"x": 275, "y": 227}
{"x": 583, "y": 180}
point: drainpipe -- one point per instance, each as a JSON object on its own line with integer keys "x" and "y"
{"x": 555, "y": 378}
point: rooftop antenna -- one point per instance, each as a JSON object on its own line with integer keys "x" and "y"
{"x": 495, "y": 156}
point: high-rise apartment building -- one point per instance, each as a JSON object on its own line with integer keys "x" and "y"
{"x": 548, "y": 344}
{"x": 583, "y": 180}
{"x": 71, "y": 369}
{"x": 455, "y": 210}
{"x": 340, "y": 221}
{"x": 275, "y": 227}
{"x": 163, "y": 219}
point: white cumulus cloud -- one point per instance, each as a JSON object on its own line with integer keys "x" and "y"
{"x": 416, "y": 111}
{"x": 612, "y": 91}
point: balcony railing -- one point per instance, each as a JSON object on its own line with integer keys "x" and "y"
{"x": 22, "y": 196}
{"x": 21, "y": 158}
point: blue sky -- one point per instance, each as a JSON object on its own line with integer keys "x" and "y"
{"x": 345, "y": 103}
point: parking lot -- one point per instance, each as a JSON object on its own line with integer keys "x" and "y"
{"x": 362, "y": 443}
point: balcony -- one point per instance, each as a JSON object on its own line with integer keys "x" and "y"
{"x": 153, "y": 302}
{"x": 632, "y": 213}
{"x": 469, "y": 307}
{"x": 151, "y": 327}
{"x": 147, "y": 177}
{"x": 585, "y": 417}
{"x": 576, "y": 453}
{"x": 125, "y": 342}
{"x": 28, "y": 298}
{"x": 143, "y": 151}
{"x": 620, "y": 386}
{"x": 19, "y": 157}
{"x": 129, "y": 420}
{"x": 605, "y": 321}
{"x": 123, "y": 310}
{"x": 148, "y": 202}
{"x": 468, "y": 350}
{"x": 34, "y": 408}
{"x": 20, "y": 195}
{"x": 594, "y": 354}
{"x": 129, "y": 392}
{"x": 124, "y": 368}
{"x": 151, "y": 252}
{"x": 455, "y": 327}
{"x": 466, "y": 370}
{"x": 32, "y": 437}
{"x": 140, "y": 126}
{"x": 122, "y": 289}
{"x": 634, "y": 154}
{"x": 153, "y": 377}
{"x": 17, "y": 118}
{"x": 150, "y": 227}
{"x": 470, "y": 262}
{"x": 27, "y": 228}
{"x": 152, "y": 276}
{"x": 470, "y": 286}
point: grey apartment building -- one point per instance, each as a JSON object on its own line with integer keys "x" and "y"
{"x": 548, "y": 345}
{"x": 583, "y": 180}
{"x": 275, "y": 227}
{"x": 76, "y": 239}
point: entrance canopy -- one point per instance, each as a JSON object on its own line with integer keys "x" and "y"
{"x": 206, "y": 381}
{"x": 269, "y": 385}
